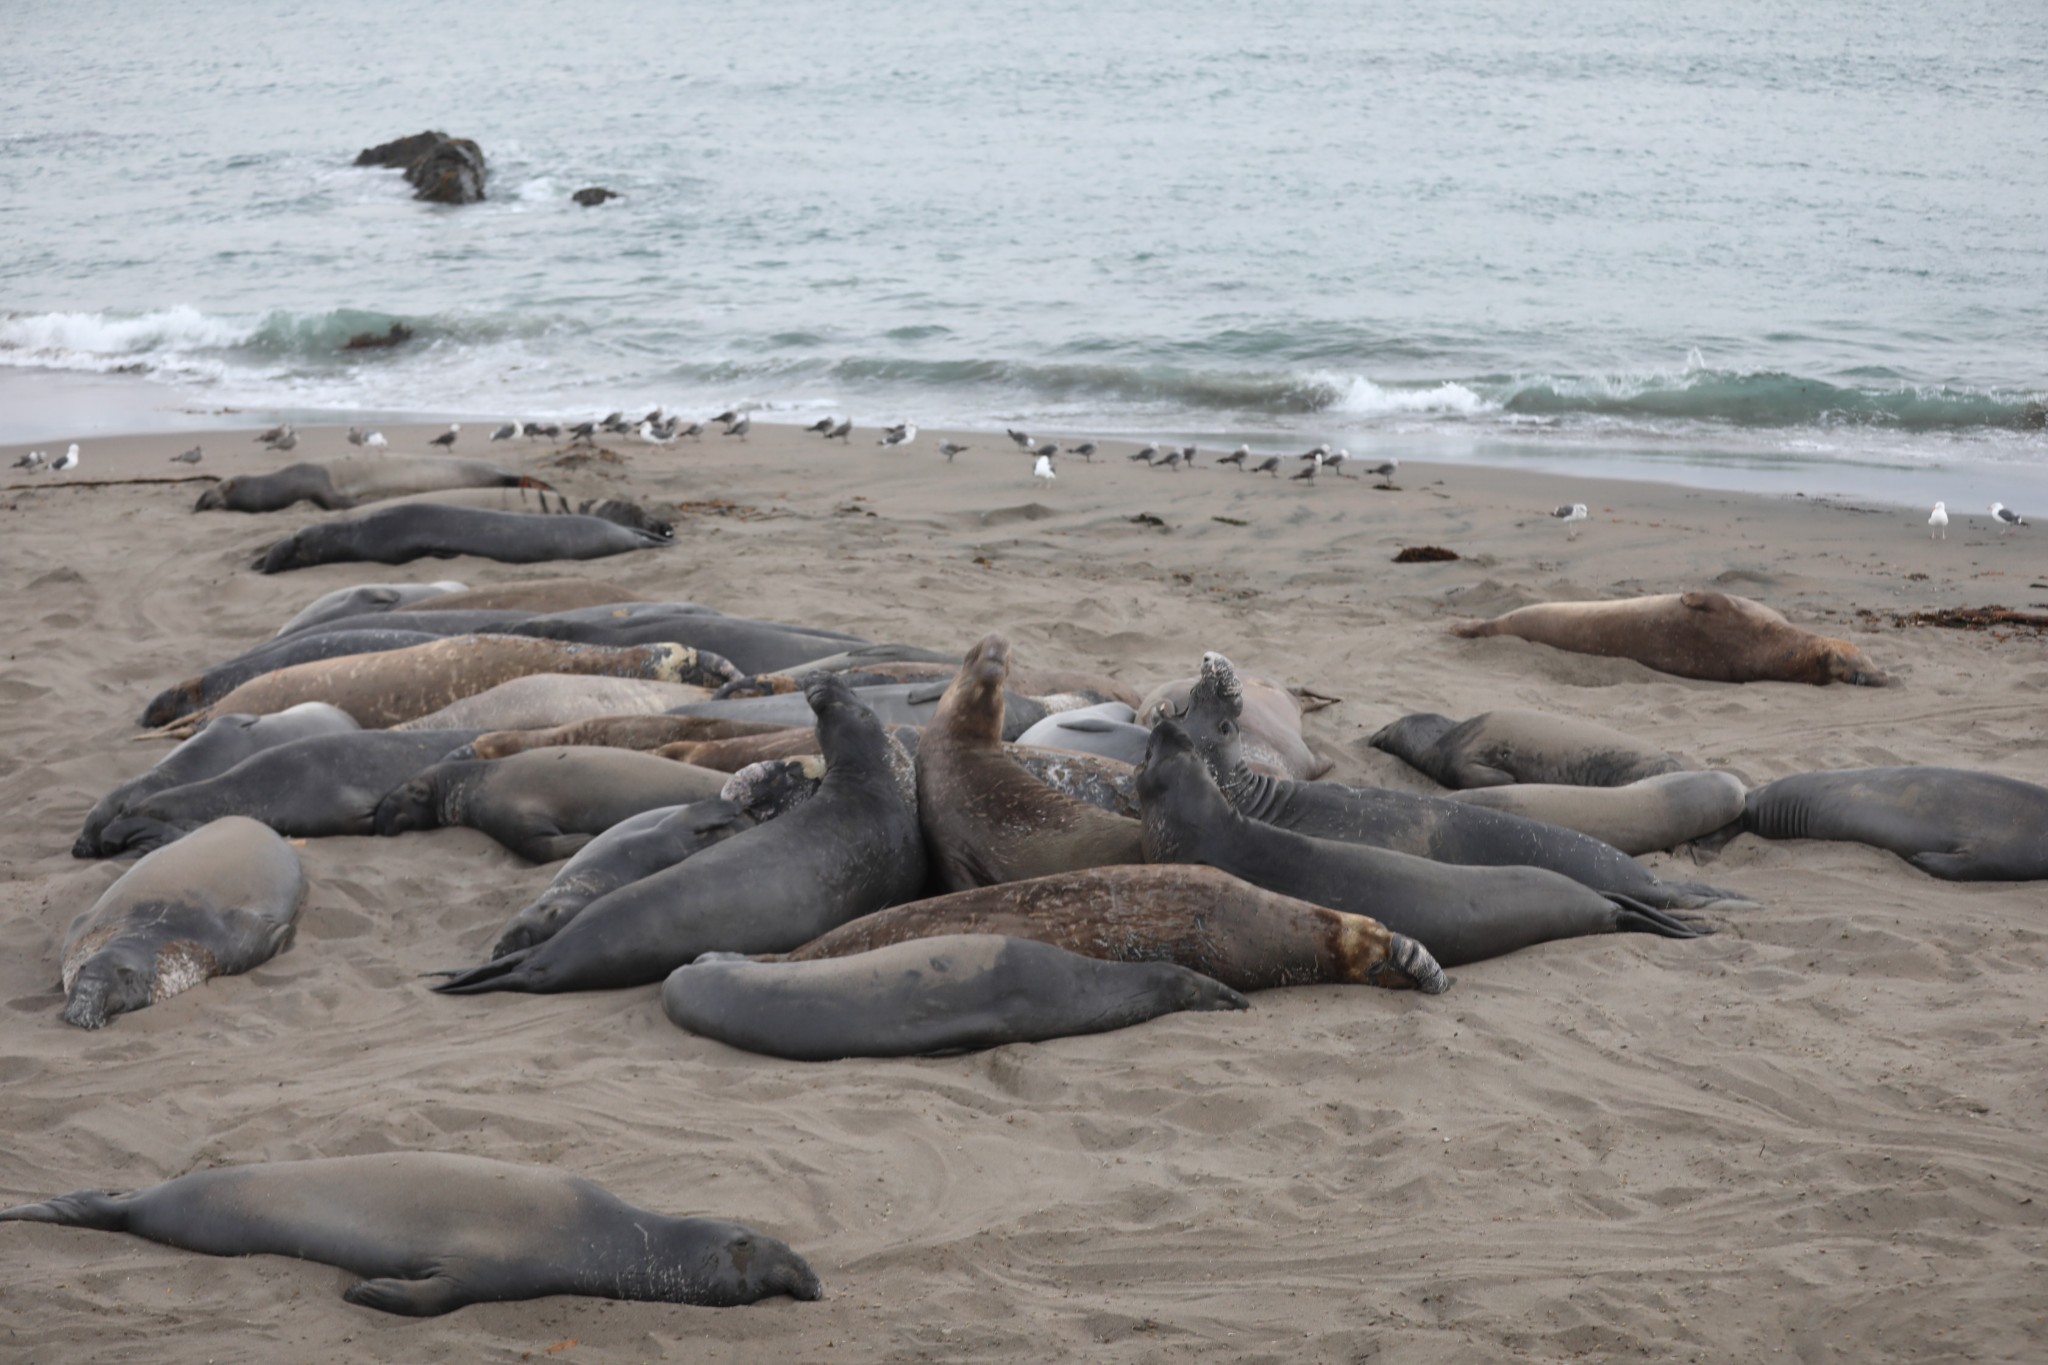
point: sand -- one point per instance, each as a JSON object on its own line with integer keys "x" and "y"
{"x": 1817, "y": 1135}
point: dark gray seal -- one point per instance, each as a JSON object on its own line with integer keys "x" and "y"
{"x": 753, "y": 646}
{"x": 181, "y": 699}
{"x": 220, "y": 744}
{"x": 952, "y": 993}
{"x": 1460, "y": 914}
{"x": 367, "y": 599}
{"x": 1500, "y": 747}
{"x": 544, "y": 804}
{"x": 431, "y": 1232}
{"x": 307, "y": 789}
{"x": 851, "y": 849}
{"x": 1432, "y": 827}
{"x": 342, "y": 483}
{"x": 216, "y": 903}
{"x": 1950, "y": 823}
{"x": 399, "y": 535}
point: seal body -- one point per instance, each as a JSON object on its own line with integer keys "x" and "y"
{"x": 1205, "y": 920}
{"x": 849, "y": 850}
{"x": 219, "y": 745}
{"x": 431, "y": 1232}
{"x": 987, "y": 820}
{"x": 895, "y": 703}
{"x": 621, "y": 730}
{"x": 544, "y": 804}
{"x": 399, "y": 535}
{"x": 946, "y": 994}
{"x": 365, "y": 599}
{"x": 216, "y": 903}
{"x": 1107, "y": 730}
{"x": 345, "y": 482}
{"x": 1499, "y": 747}
{"x": 1460, "y": 914}
{"x": 1433, "y": 827}
{"x": 1948, "y": 822}
{"x": 1708, "y": 635}
{"x": 539, "y": 595}
{"x": 556, "y": 699}
{"x": 188, "y": 696}
{"x": 753, "y": 646}
{"x": 1269, "y": 725}
{"x": 1646, "y": 816}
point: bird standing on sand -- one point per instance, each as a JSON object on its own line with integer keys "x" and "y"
{"x": 34, "y": 462}
{"x": 1022, "y": 438}
{"x": 1188, "y": 454}
{"x": 1147, "y": 455}
{"x": 355, "y": 436}
{"x": 1335, "y": 463}
{"x": 900, "y": 435}
{"x": 2003, "y": 515}
{"x": 1571, "y": 514}
{"x": 949, "y": 449}
{"x": 1237, "y": 457}
{"x": 1049, "y": 448}
{"x": 1384, "y": 472}
{"x": 68, "y": 460}
{"x": 375, "y": 440}
{"x": 654, "y": 435}
{"x": 1269, "y": 465}
{"x": 446, "y": 440}
{"x": 289, "y": 441}
{"x": 1043, "y": 469}
{"x": 695, "y": 431}
{"x": 1938, "y": 519}
{"x": 1312, "y": 454}
{"x": 1173, "y": 460}
{"x": 822, "y": 426}
{"x": 741, "y": 425}
{"x": 842, "y": 432}
{"x": 274, "y": 433}
{"x": 1086, "y": 450}
{"x": 506, "y": 432}
{"x": 189, "y": 456}
{"x": 1309, "y": 475}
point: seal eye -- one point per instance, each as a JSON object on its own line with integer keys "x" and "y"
{"x": 1226, "y": 727}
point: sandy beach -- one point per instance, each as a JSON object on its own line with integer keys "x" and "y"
{"x": 1816, "y": 1135}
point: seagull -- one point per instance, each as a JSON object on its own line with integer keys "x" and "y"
{"x": 288, "y": 441}
{"x": 274, "y": 433}
{"x": 1236, "y": 457}
{"x": 949, "y": 450}
{"x": 653, "y": 419}
{"x": 615, "y": 422}
{"x": 1384, "y": 472}
{"x": 1043, "y": 469}
{"x": 1570, "y": 514}
{"x": 188, "y": 457}
{"x": 695, "y": 431}
{"x": 446, "y": 440}
{"x": 68, "y": 460}
{"x": 1188, "y": 453}
{"x": 2004, "y": 515}
{"x": 506, "y": 432}
{"x": 1335, "y": 464}
{"x": 842, "y": 432}
{"x": 647, "y": 432}
{"x": 1172, "y": 461}
{"x": 1310, "y": 455}
{"x": 1309, "y": 475}
{"x": 1022, "y": 438}
{"x": 729, "y": 416}
{"x": 1086, "y": 450}
{"x": 584, "y": 431}
{"x": 375, "y": 440}
{"x": 741, "y": 426}
{"x": 355, "y": 436}
{"x": 1938, "y": 519}
{"x": 821, "y": 426}
{"x": 1148, "y": 454}
{"x": 34, "y": 462}
{"x": 1269, "y": 465}
{"x": 900, "y": 436}
{"x": 1049, "y": 448}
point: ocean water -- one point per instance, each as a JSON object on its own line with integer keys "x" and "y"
{"x": 1753, "y": 237}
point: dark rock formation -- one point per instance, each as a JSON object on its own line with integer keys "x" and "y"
{"x": 593, "y": 196}
{"x": 441, "y": 169}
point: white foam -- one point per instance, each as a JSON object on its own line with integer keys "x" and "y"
{"x": 1358, "y": 396}
{"x": 102, "y": 341}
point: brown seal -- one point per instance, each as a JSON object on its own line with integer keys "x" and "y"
{"x": 1041, "y": 683}
{"x": 1707, "y": 635}
{"x": 622, "y": 732}
{"x": 1198, "y": 917}
{"x": 986, "y": 819}
{"x": 540, "y": 595}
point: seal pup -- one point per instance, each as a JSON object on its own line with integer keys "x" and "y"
{"x": 1427, "y": 826}
{"x": 987, "y": 820}
{"x": 1461, "y": 914}
{"x": 216, "y": 903}
{"x": 1645, "y": 816}
{"x": 1203, "y": 919}
{"x": 399, "y": 535}
{"x": 849, "y": 850}
{"x": 544, "y": 804}
{"x": 1707, "y": 635}
{"x": 1495, "y": 748}
{"x": 365, "y": 598}
{"x": 1951, "y": 823}
{"x": 431, "y": 1232}
{"x": 953, "y": 993}
{"x": 349, "y": 481}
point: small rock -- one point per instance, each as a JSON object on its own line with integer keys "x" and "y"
{"x": 594, "y": 196}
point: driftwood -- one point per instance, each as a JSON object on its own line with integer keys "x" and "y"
{"x": 108, "y": 483}
{"x": 1967, "y": 618}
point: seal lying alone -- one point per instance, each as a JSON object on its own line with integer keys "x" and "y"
{"x": 399, "y": 535}
{"x": 431, "y": 1232}
{"x": 1949, "y": 822}
{"x": 341, "y": 483}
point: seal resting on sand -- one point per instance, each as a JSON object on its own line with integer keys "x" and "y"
{"x": 1499, "y": 747}
{"x": 1949, "y": 822}
{"x": 342, "y": 483}
{"x": 431, "y": 1232}
{"x": 1707, "y": 635}
{"x": 1648, "y": 816}
{"x": 218, "y": 902}
{"x": 399, "y": 535}
{"x": 987, "y": 820}
{"x": 947, "y": 994}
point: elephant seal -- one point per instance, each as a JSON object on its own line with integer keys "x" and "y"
{"x": 1461, "y": 914}
{"x": 1646, "y": 816}
{"x": 1108, "y": 730}
{"x": 753, "y": 646}
{"x": 555, "y": 700}
{"x": 217, "y": 902}
{"x": 339, "y": 484}
{"x": 431, "y": 1232}
{"x": 534, "y": 595}
{"x": 544, "y": 804}
{"x": 181, "y": 699}
{"x": 985, "y": 819}
{"x": 895, "y": 703}
{"x": 1269, "y": 725}
{"x": 1205, "y": 920}
{"x": 310, "y": 788}
{"x": 654, "y": 841}
{"x": 397, "y": 685}
{"x": 399, "y": 535}
{"x": 367, "y": 598}
{"x": 220, "y": 744}
{"x": 1707, "y": 635}
{"x": 849, "y": 850}
{"x": 1499, "y": 747}
{"x": 866, "y": 668}
{"x": 952, "y": 993}
{"x": 1950, "y": 823}
{"x": 617, "y": 731}
{"x": 536, "y": 499}
{"x": 1431, "y": 827}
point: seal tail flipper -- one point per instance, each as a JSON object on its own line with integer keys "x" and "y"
{"x": 499, "y": 974}
{"x": 426, "y": 1298}
{"x": 1634, "y": 917}
{"x": 1696, "y": 896}
{"x": 80, "y": 1209}
{"x": 1951, "y": 867}
{"x": 1409, "y": 959}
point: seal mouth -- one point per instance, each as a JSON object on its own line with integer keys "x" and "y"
{"x": 1218, "y": 684}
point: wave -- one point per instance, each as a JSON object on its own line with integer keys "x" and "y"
{"x": 1767, "y": 399}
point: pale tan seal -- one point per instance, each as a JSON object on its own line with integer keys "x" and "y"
{"x": 1498, "y": 747}
{"x": 1269, "y": 725}
{"x": 547, "y": 700}
{"x": 1646, "y": 816}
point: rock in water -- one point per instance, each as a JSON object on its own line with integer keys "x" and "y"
{"x": 441, "y": 169}
{"x": 594, "y": 196}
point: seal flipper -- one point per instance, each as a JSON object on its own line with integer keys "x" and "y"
{"x": 499, "y": 974}
{"x": 79, "y": 1209}
{"x": 1409, "y": 959}
{"x": 1634, "y": 917}
{"x": 427, "y": 1298}
{"x": 1474, "y": 776}
{"x": 1950, "y": 867}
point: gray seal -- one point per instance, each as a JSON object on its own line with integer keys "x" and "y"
{"x": 1432, "y": 827}
{"x": 339, "y": 484}
{"x": 753, "y": 646}
{"x": 1646, "y": 816}
{"x": 851, "y": 849}
{"x": 896, "y": 704}
{"x": 1460, "y": 914}
{"x": 367, "y": 599}
{"x": 1950, "y": 823}
{"x": 216, "y": 903}
{"x": 1107, "y": 730}
{"x": 220, "y": 744}
{"x": 181, "y": 699}
{"x": 1500, "y": 747}
{"x": 951, "y": 993}
{"x": 399, "y": 535}
{"x": 544, "y": 804}
{"x": 431, "y": 1232}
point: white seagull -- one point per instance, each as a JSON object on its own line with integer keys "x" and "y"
{"x": 1570, "y": 514}
{"x": 951, "y": 448}
{"x": 900, "y": 436}
{"x": 34, "y": 462}
{"x": 446, "y": 440}
{"x": 2004, "y": 515}
{"x": 1938, "y": 519}
{"x": 375, "y": 440}
{"x": 68, "y": 460}
{"x": 1043, "y": 469}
